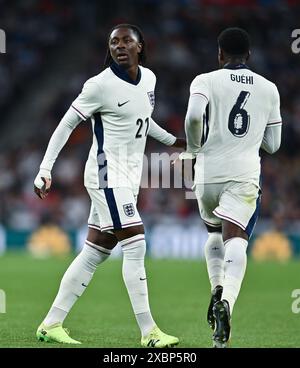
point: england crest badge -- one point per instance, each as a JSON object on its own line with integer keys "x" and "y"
{"x": 151, "y": 98}
{"x": 129, "y": 209}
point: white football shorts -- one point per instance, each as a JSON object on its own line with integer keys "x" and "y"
{"x": 113, "y": 209}
{"x": 237, "y": 202}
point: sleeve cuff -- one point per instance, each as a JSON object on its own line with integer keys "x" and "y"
{"x": 187, "y": 156}
{"x": 172, "y": 140}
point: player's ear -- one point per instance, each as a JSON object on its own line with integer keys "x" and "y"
{"x": 220, "y": 56}
{"x": 140, "y": 47}
{"x": 248, "y": 55}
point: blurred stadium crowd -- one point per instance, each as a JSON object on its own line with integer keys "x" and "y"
{"x": 181, "y": 43}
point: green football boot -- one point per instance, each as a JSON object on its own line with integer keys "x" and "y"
{"x": 55, "y": 333}
{"x": 158, "y": 339}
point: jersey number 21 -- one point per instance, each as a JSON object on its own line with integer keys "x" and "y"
{"x": 140, "y": 124}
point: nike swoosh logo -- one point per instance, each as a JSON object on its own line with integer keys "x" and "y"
{"x": 121, "y": 104}
{"x": 143, "y": 279}
{"x": 84, "y": 285}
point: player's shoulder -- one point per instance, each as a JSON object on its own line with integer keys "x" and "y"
{"x": 263, "y": 79}
{"x": 265, "y": 83}
{"x": 205, "y": 77}
{"x": 100, "y": 78}
{"x": 148, "y": 73}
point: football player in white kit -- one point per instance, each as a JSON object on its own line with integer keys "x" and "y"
{"x": 232, "y": 113}
{"x": 120, "y": 102}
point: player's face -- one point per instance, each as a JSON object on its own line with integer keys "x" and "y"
{"x": 124, "y": 47}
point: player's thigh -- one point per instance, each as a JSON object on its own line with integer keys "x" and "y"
{"x": 231, "y": 230}
{"x": 238, "y": 208}
{"x": 207, "y": 197}
{"x": 115, "y": 210}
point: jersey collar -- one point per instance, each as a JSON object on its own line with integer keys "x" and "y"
{"x": 235, "y": 66}
{"x": 122, "y": 73}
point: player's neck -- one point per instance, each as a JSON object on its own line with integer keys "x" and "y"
{"x": 132, "y": 72}
{"x": 235, "y": 61}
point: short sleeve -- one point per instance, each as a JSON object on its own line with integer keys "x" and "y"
{"x": 200, "y": 86}
{"x": 88, "y": 101}
{"x": 275, "y": 116}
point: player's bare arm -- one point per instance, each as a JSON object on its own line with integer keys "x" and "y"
{"x": 161, "y": 135}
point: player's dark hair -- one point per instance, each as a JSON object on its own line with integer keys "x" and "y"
{"x": 142, "y": 55}
{"x": 234, "y": 41}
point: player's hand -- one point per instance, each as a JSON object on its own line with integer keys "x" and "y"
{"x": 188, "y": 161}
{"x": 42, "y": 183}
{"x": 180, "y": 143}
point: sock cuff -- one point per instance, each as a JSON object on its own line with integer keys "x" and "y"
{"x": 132, "y": 242}
{"x": 238, "y": 240}
{"x": 215, "y": 236}
{"x": 97, "y": 247}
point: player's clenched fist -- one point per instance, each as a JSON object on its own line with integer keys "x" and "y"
{"x": 42, "y": 183}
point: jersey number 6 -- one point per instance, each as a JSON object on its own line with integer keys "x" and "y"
{"x": 140, "y": 124}
{"x": 239, "y": 120}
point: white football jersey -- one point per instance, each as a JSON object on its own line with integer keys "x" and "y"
{"x": 241, "y": 104}
{"x": 120, "y": 110}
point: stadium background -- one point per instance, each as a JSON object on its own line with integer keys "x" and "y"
{"x": 52, "y": 47}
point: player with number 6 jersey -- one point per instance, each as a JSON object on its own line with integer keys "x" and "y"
{"x": 240, "y": 105}
{"x": 232, "y": 113}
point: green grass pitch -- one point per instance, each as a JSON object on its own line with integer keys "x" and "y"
{"x": 179, "y": 295}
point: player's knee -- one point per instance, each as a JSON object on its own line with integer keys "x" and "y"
{"x": 213, "y": 229}
{"x": 101, "y": 239}
{"x": 231, "y": 230}
{"x": 129, "y": 232}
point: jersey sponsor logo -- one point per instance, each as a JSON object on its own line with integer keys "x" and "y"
{"x": 129, "y": 209}
{"x": 151, "y": 98}
{"x": 121, "y": 104}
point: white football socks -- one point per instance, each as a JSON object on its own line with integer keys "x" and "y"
{"x": 235, "y": 267}
{"x": 214, "y": 255}
{"x": 75, "y": 281}
{"x": 134, "y": 275}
